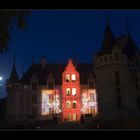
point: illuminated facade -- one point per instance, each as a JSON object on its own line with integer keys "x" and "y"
{"x": 46, "y": 90}
{"x": 71, "y": 97}
{"x": 108, "y": 87}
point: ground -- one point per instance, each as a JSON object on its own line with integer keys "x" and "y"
{"x": 54, "y": 125}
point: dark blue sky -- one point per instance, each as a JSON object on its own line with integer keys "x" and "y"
{"x": 60, "y": 34}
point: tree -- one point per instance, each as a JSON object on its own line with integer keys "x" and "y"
{"x": 7, "y": 20}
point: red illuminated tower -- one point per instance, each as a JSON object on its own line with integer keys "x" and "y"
{"x": 71, "y": 103}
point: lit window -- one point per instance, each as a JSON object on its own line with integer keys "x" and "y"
{"x": 68, "y": 104}
{"x": 74, "y": 104}
{"x": 74, "y": 91}
{"x": 67, "y": 78}
{"x": 73, "y": 77}
{"x": 92, "y": 96}
{"x": 68, "y": 91}
{"x": 69, "y": 117}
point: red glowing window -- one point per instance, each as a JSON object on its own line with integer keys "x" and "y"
{"x": 73, "y": 91}
{"x": 73, "y": 77}
{"x": 74, "y": 104}
{"x": 67, "y": 78}
{"x": 68, "y": 104}
{"x": 68, "y": 91}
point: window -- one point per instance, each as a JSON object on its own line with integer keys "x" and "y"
{"x": 67, "y": 78}
{"x": 34, "y": 99}
{"x": 68, "y": 104}
{"x": 34, "y": 86}
{"x": 74, "y": 117}
{"x": 73, "y": 77}
{"x": 119, "y": 102}
{"x": 91, "y": 97}
{"x": 69, "y": 117}
{"x": 116, "y": 56}
{"x": 117, "y": 78}
{"x": 34, "y": 111}
{"x": 68, "y": 91}
{"x": 74, "y": 104}
{"x": 73, "y": 91}
{"x": 50, "y": 85}
{"x": 92, "y": 110}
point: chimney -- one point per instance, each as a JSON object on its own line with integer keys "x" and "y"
{"x": 43, "y": 62}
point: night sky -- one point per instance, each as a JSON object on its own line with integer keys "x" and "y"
{"x": 61, "y": 34}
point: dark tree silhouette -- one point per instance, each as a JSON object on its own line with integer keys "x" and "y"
{"x": 8, "y": 19}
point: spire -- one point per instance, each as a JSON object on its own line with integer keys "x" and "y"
{"x": 14, "y": 60}
{"x": 108, "y": 40}
{"x": 107, "y": 20}
{"x": 130, "y": 48}
{"x": 13, "y": 75}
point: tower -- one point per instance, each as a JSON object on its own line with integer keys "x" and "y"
{"x": 12, "y": 87}
{"x": 71, "y": 99}
{"x": 112, "y": 79}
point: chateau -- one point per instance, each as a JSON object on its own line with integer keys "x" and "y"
{"x": 108, "y": 87}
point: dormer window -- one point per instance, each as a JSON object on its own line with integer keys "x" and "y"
{"x": 73, "y": 77}
{"x": 50, "y": 85}
{"x": 34, "y": 86}
{"x": 67, "y": 78}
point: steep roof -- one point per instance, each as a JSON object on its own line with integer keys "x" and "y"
{"x": 129, "y": 46}
{"x": 108, "y": 41}
{"x": 13, "y": 76}
{"x": 56, "y": 70}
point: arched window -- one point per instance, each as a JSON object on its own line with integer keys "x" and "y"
{"x": 73, "y": 91}
{"x": 67, "y": 78}
{"x": 68, "y": 91}
{"x": 73, "y": 77}
{"x": 68, "y": 104}
{"x": 74, "y": 104}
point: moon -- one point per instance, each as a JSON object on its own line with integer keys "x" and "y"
{"x": 1, "y": 78}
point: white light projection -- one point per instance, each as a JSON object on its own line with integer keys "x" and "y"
{"x": 89, "y": 101}
{"x": 50, "y": 101}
